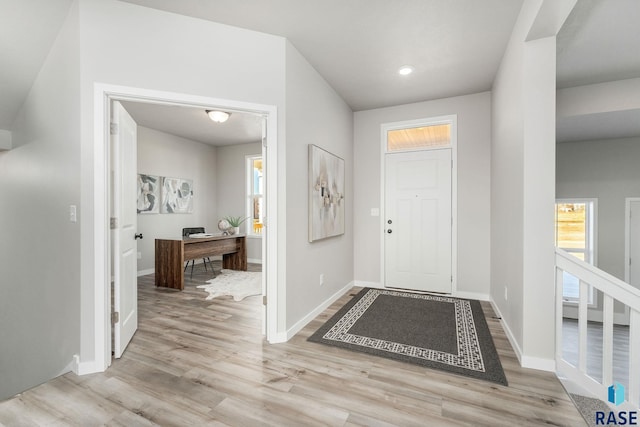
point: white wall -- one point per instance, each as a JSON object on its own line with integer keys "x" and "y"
{"x": 130, "y": 45}
{"x": 5, "y": 140}
{"x": 616, "y": 95}
{"x": 218, "y": 175}
{"x": 523, "y": 183}
{"x": 474, "y": 138}
{"x": 40, "y": 250}
{"x": 231, "y": 188}
{"x": 168, "y": 155}
{"x": 608, "y": 171}
{"x": 315, "y": 115}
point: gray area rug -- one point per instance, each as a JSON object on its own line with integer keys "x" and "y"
{"x": 588, "y": 406}
{"x": 435, "y": 331}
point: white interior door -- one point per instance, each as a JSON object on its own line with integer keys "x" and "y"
{"x": 417, "y": 251}
{"x": 125, "y": 248}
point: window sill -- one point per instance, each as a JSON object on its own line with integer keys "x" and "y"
{"x": 575, "y": 303}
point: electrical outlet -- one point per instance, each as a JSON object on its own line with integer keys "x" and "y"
{"x": 321, "y": 279}
{"x": 505, "y": 293}
{"x": 73, "y": 214}
{"x": 139, "y": 255}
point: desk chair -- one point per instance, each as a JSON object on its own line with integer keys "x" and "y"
{"x": 186, "y": 232}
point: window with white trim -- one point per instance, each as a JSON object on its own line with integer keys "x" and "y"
{"x": 255, "y": 196}
{"x": 575, "y": 233}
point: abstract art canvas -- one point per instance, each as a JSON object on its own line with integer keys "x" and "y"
{"x": 177, "y": 195}
{"x": 148, "y": 194}
{"x": 326, "y": 194}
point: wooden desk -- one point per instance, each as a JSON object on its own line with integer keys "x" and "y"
{"x": 172, "y": 253}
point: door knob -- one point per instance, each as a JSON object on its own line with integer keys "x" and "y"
{"x": 389, "y": 231}
{"x": 138, "y": 236}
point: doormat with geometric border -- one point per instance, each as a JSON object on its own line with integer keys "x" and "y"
{"x": 439, "y": 332}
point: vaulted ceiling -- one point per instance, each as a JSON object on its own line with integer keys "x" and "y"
{"x": 455, "y": 46}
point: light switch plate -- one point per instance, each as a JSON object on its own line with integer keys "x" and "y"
{"x": 375, "y": 211}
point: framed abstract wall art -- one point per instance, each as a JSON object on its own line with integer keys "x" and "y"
{"x": 177, "y": 195}
{"x": 326, "y": 194}
{"x": 148, "y": 194}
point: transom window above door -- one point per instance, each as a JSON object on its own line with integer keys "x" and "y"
{"x": 431, "y": 136}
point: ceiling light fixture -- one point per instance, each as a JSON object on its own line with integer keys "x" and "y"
{"x": 405, "y": 70}
{"x": 218, "y": 116}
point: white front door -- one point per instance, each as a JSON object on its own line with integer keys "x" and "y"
{"x": 418, "y": 220}
{"x": 125, "y": 248}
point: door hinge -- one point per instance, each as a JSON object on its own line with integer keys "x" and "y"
{"x": 113, "y": 128}
{"x": 264, "y": 300}
{"x": 113, "y": 223}
{"x": 115, "y": 317}
{"x": 451, "y": 279}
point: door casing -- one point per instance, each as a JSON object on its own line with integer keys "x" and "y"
{"x": 100, "y": 262}
{"x": 384, "y": 128}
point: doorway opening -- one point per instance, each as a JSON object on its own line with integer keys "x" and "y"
{"x": 104, "y": 96}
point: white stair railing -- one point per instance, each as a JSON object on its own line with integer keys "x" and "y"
{"x": 613, "y": 289}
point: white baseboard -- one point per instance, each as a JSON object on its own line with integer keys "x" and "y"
{"x": 525, "y": 361}
{"x": 72, "y": 366}
{"x": 319, "y": 309}
{"x": 281, "y": 337}
{"x": 538, "y": 363}
{"x": 86, "y": 368}
{"x": 461, "y": 294}
{"x": 82, "y": 368}
{"x": 198, "y": 261}
{"x": 363, "y": 284}
{"x": 507, "y": 330}
{"x": 146, "y": 272}
{"x": 471, "y": 295}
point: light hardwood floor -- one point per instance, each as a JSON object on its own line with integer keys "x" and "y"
{"x": 620, "y": 356}
{"x": 195, "y": 362}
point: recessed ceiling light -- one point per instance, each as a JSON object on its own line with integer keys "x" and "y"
{"x": 405, "y": 70}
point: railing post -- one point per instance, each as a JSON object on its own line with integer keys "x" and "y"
{"x": 582, "y": 326}
{"x": 607, "y": 340}
{"x": 559, "y": 313}
{"x": 634, "y": 357}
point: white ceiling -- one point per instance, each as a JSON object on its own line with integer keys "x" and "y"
{"x": 194, "y": 124}
{"x": 27, "y": 31}
{"x": 357, "y": 46}
{"x": 599, "y": 42}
